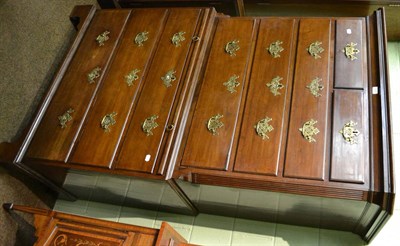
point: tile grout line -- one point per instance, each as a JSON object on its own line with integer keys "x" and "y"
{"x": 124, "y": 199}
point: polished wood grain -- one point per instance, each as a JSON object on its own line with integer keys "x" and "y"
{"x": 116, "y": 95}
{"x": 350, "y": 73}
{"x": 156, "y": 98}
{"x": 306, "y": 159}
{"x": 51, "y": 142}
{"x": 255, "y": 154}
{"x": 204, "y": 149}
{"x": 349, "y": 160}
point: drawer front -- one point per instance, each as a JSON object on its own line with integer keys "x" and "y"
{"x": 99, "y": 142}
{"x": 305, "y": 155}
{"x": 349, "y": 137}
{"x": 214, "y": 121}
{"x": 350, "y": 54}
{"x": 263, "y": 129}
{"x": 147, "y": 127}
{"x": 58, "y": 129}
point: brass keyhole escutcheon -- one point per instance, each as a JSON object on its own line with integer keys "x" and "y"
{"x": 349, "y": 132}
{"x": 263, "y": 128}
{"x": 275, "y": 85}
{"x": 177, "y": 38}
{"x": 93, "y": 75}
{"x": 149, "y": 124}
{"x": 141, "y": 37}
{"x": 132, "y": 76}
{"x": 350, "y": 51}
{"x": 214, "y": 123}
{"x": 108, "y": 121}
{"x": 168, "y": 78}
{"x": 231, "y": 47}
{"x": 309, "y": 130}
{"x": 102, "y": 38}
{"x": 66, "y": 117}
{"x": 275, "y": 48}
{"x": 315, "y": 49}
{"x": 315, "y": 87}
{"x": 232, "y": 83}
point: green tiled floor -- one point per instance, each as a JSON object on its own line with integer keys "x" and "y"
{"x": 218, "y": 230}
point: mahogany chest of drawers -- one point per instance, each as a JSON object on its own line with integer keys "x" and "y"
{"x": 291, "y": 110}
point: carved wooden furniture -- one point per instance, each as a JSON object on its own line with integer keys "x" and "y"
{"x": 56, "y": 228}
{"x": 291, "y": 110}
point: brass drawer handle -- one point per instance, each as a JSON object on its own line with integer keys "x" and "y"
{"x": 169, "y": 77}
{"x": 232, "y": 83}
{"x": 149, "y": 124}
{"x": 275, "y": 85}
{"x": 64, "y": 118}
{"x": 213, "y": 124}
{"x": 102, "y": 38}
{"x": 177, "y": 38}
{"x": 309, "y": 130}
{"x": 107, "y": 121}
{"x": 231, "y": 47}
{"x": 141, "y": 37}
{"x": 350, "y": 51}
{"x": 315, "y": 87}
{"x": 263, "y": 128}
{"x": 349, "y": 132}
{"x": 132, "y": 76}
{"x": 315, "y": 49}
{"x": 94, "y": 74}
{"x": 275, "y": 48}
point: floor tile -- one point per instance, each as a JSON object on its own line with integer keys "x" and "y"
{"x": 251, "y": 232}
{"x": 296, "y": 235}
{"x": 183, "y": 224}
{"x": 137, "y": 216}
{"x": 103, "y": 211}
{"x": 80, "y": 183}
{"x": 339, "y": 238}
{"x": 78, "y": 207}
{"x": 212, "y": 230}
{"x": 110, "y": 189}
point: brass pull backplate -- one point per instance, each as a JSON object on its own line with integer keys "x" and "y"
{"x": 141, "y": 37}
{"x": 64, "y": 118}
{"x": 275, "y": 85}
{"x": 132, "y": 76}
{"x": 149, "y": 124}
{"x": 309, "y": 130}
{"x": 350, "y": 51}
{"x": 315, "y": 87}
{"x": 349, "y": 132}
{"x": 232, "y": 83}
{"x": 275, "y": 48}
{"x": 107, "y": 121}
{"x": 214, "y": 123}
{"x": 94, "y": 74}
{"x": 315, "y": 49}
{"x": 102, "y": 38}
{"x": 168, "y": 78}
{"x": 177, "y": 38}
{"x": 263, "y": 128}
{"x": 231, "y": 47}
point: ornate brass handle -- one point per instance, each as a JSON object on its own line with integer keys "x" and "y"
{"x": 132, "y": 76}
{"x": 350, "y": 51}
{"x": 309, "y": 130}
{"x": 149, "y": 124}
{"x": 275, "y": 85}
{"x": 103, "y": 37}
{"x": 263, "y": 128}
{"x": 275, "y": 48}
{"x": 141, "y": 37}
{"x": 94, "y": 74}
{"x": 107, "y": 121}
{"x": 169, "y": 77}
{"x": 315, "y": 49}
{"x": 231, "y": 47}
{"x": 315, "y": 87}
{"x": 349, "y": 132}
{"x": 232, "y": 83}
{"x": 64, "y": 118}
{"x": 214, "y": 123}
{"x": 177, "y": 38}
